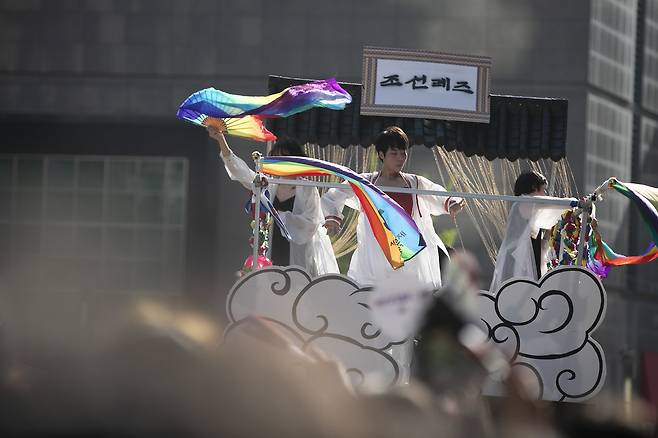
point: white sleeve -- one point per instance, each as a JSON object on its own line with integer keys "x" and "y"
{"x": 436, "y": 204}
{"x": 303, "y": 224}
{"x": 544, "y": 216}
{"x": 335, "y": 200}
{"x": 513, "y": 258}
{"x": 238, "y": 170}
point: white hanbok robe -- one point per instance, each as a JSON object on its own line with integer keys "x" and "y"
{"x": 310, "y": 247}
{"x": 369, "y": 265}
{"x": 515, "y": 257}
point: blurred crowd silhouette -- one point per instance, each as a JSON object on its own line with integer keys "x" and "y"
{"x": 162, "y": 370}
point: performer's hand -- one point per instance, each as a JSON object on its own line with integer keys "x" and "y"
{"x": 217, "y": 130}
{"x": 456, "y": 208}
{"x": 332, "y": 227}
{"x": 213, "y": 132}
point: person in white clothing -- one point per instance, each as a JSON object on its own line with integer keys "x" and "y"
{"x": 369, "y": 265}
{"x": 298, "y": 207}
{"x": 523, "y": 252}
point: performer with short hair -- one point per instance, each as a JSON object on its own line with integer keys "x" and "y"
{"x": 523, "y": 252}
{"x": 368, "y": 264}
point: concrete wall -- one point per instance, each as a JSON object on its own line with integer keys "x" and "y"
{"x": 141, "y": 58}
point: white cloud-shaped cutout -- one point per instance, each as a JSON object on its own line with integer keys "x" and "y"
{"x": 367, "y": 366}
{"x": 330, "y": 312}
{"x": 545, "y": 327}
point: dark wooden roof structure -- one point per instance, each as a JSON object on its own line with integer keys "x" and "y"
{"x": 520, "y": 127}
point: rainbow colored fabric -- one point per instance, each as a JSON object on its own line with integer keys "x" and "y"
{"x": 645, "y": 199}
{"x": 208, "y": 104}
{"x": 395, "y": 231}
{"x": 251, "y": 127}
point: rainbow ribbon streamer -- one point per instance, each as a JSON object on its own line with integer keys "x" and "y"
{"x": 395, "y": 231}
{"x": 208, "y": 104}
{"x": 645, "y": 199}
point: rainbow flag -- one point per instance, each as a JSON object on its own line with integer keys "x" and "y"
{"x": 645, "y": 199}
{"x": 395, "y": 231}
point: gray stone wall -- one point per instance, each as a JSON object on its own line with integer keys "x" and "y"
{"x": 141, "y": 58}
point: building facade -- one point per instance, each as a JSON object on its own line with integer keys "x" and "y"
{"x": 104, "y": 193}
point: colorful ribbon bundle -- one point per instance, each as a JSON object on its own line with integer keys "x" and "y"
{"x": 564, "y": 241}
{"x": 263, "y": 245}
{"x": 395, "y": 232}
{"x": 206, "y": 106}
{"x": 645, "y": 199}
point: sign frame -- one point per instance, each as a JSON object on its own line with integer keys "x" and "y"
{"x": 372, "y": 54}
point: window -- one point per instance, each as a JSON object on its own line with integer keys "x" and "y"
{"x": 608, "y": 153}
{"x": 612, "y": 46}
{"x": 650, "y": 78}
{"x": 92, "y": 223}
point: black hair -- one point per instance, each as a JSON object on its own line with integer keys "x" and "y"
{"x": 529, "y": 182}
{"x": 287, "y": 146}
{"x": 391, "y": 137}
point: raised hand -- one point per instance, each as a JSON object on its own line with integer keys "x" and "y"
{"x": 332, "y": 226}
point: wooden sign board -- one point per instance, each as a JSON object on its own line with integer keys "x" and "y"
{"x": 422, "y": 84}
